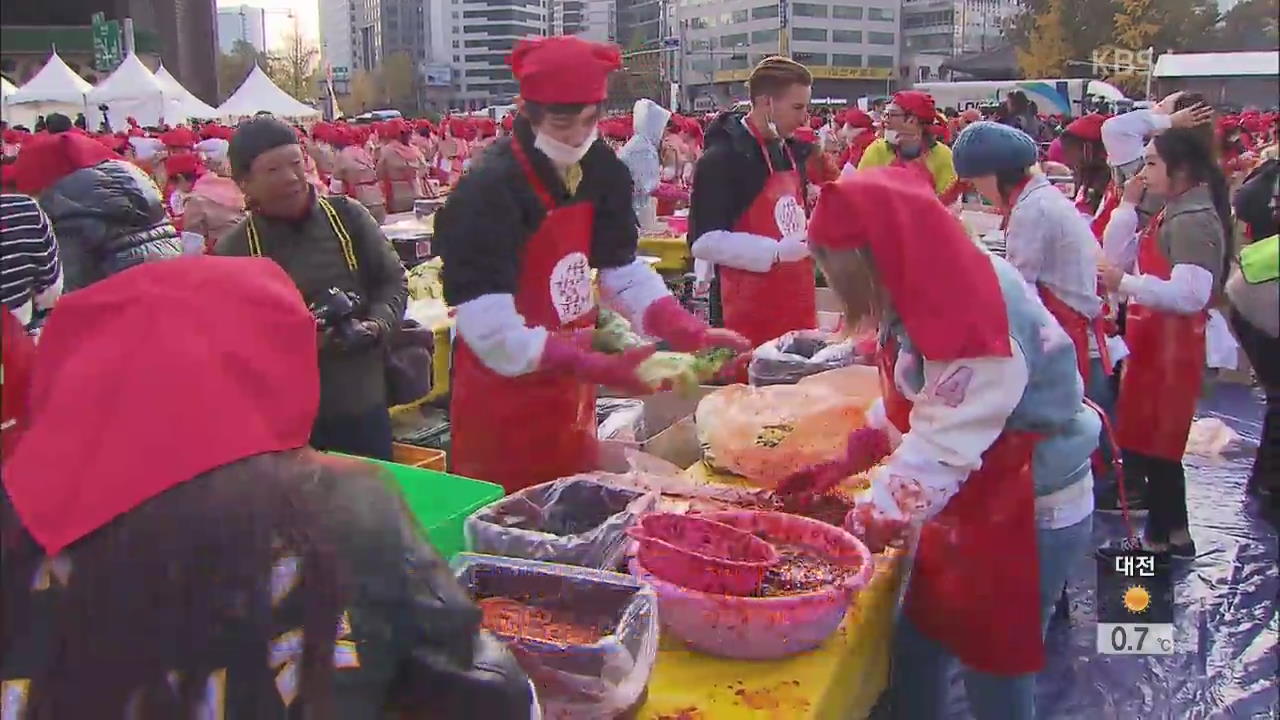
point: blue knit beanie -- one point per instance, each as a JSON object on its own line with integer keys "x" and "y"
{"x": 984, "y": 148}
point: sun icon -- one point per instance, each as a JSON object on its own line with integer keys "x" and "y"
{"x": 1137, "y": 599}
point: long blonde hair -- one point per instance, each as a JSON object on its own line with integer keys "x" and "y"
{"x": 852, "y": 275}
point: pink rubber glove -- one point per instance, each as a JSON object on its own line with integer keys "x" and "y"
{"x": 568, "y": 353}
{"x": 866, "y": 448}
{"x": 879, "y": 529}
{"x": 684, "y": 332}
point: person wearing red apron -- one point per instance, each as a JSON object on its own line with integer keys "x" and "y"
{"x": 520, "y": 237}
{"x": 18, "y": 352}
{"x": 1046, "y": 238}
{"x": 1001, "y": 522}
{"x": 747, "y": 212}
{"x": 915, "y": 138}
{"x": 1180, "y": 263}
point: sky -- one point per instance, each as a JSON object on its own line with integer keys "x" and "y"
{"x": 306, "y": 12}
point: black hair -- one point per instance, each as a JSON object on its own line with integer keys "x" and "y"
{"x": 1018, "y": 101}
{"x": 1008, "y": 179}
{"x": 1186, "y": 151}
{"x": 189, "y": 177}
{"x": 1092, "y": 172}
{"x": 254, "y": 137}
{"x": 537, "y": 112}
{"x": 57, "y": 123}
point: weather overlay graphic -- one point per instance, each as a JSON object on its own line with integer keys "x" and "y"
{"x": 1135, "y": 605}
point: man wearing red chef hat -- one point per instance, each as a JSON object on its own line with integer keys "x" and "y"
{"x": 914, "y": 138}
{"x": 519, "y": 237}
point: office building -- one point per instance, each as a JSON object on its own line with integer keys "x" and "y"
{"x": 184, "y": 30}
{"x": 851, "y": 46}
{"x": 594, "y": 20}
{"x": 337, "y": 35}
{"x": 243, "y": 23}
{"x": 955, "y": 27}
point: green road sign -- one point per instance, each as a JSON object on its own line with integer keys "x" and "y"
{"x": 107, "y": 47}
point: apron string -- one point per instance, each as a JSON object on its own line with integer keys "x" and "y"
{"x": 764, "y": 148}
{"x": 539, "y": 188}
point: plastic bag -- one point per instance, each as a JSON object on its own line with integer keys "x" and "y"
{"x": 620, "y": 419}
{"x": 572, "y": 521}
{"x": 798, "y": 354}
{"x": 1209, "y": 437}
{"x": 602, "y": 679}
{"x": 766, "y": 434}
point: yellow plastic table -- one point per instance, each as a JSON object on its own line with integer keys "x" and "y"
{"x": 672, "y": 251}
{"x": 842, "y": 678}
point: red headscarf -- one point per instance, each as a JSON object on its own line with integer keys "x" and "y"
{"x": 214, "y": 131}
{"x": 855, "y": 118}
{"x": 186, "y": 163}
{"x": 230, "y": 372}
{"x": 563, "y": 69}
{"x": 179, "y": 137}
{"x": 1087, "y": 127}
{"x": 940, "y": 283}
{"x": 46, "y": 158}
{"x": 393, "y": 129}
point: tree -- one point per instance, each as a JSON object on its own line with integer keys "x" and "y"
{"x": 294, "y": 67}
{"x": 1249, "y": 25}
{"x": 1047, "y": 51}
{"x": 364, "y": 93}
{"x": 398, "y": 80}
{"x": 1086, "y": 25}
{"x": 233, "y": 68}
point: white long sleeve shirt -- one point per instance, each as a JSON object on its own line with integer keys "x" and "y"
{"x": 1050, "y": 244}
{"x": 955, "y": 417}
{"x": 1186, "y": 291}
{"x": 1125, "y": 136}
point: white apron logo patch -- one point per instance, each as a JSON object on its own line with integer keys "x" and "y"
{"x": 789, "y": 217}
{"x": 571, "y": 287}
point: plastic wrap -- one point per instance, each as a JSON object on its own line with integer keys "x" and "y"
{"x": 766, "y": 434}
{"x": 592, "y": 681}
{"x": 574, "y": 521}
{"x": 620, "y": 419}
{"x": 797, "y": 355}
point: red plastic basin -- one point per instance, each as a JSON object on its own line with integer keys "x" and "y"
{"x": 700, "y": 554}
{"x": 761, "y": 628}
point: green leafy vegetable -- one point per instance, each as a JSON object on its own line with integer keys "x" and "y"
{"x": 614, "y": 334}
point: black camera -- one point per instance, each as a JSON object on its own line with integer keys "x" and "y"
{"x": 337, "y": 312}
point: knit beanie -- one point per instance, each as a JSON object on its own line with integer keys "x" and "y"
{"x": 256, "y": 136}
{"x": 985, "y": 148}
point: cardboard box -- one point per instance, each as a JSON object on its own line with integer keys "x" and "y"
{"x": 669, "y": 431}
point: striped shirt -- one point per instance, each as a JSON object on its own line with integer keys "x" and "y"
{"x": 30, "y": 274}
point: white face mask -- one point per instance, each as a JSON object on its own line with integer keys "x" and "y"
{"x": 891, "y": 137}
{"x": 561, "y": 154}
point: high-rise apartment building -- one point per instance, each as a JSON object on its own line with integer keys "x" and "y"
{"x": 245, "y": 23}
{"x": 955, "y": 27}
{"x": 851, "y": 46}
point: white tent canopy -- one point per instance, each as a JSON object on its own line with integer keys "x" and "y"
{"x": 1224, "y": 64}
{"x": 6, "y": 89}
{"x": 132, "y": 91}
{"x": 256, "y": 94}
{"x": 56, "y": 88}
{"x": 189, "y": 106}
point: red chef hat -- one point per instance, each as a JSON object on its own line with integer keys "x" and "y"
{"x": 563, "y": 69}
{"x": 1087, "y": 127}
{"x": 92, "y": 390}
{"x": 393, "y": 128}
{"x": 183, "y": 164}
{"x": 47, "y": 158}
{"x": 918, "y": 104}
{"x": 179, "y": 137}
{"x": 214, "y": 131}
{"x": 924, "y": 258}
{"x": 424, "y": 124}
{"x": 855, "y": 118}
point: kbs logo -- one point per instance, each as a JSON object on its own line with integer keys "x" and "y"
{"x": 1108, "y": 61}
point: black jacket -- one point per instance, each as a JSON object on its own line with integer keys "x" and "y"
{"x": 482, "y": 229}
{"x": 732, "y": 172}
{"x": 1257, "y": 202}
{"x": 108, "y": 218}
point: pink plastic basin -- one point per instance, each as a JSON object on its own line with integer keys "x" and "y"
{"x": 753, "y": 628}
{"x": 700, "y": 554}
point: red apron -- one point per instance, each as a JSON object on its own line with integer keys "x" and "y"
{"x": 1110, "y": 201}
{"x": 764, "y": 306}
{"x": 975, "y": 589}
{"x": 1078, "y": 328}
{"x": 541, "y": 426}
{"x": 1161, "y": 379}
